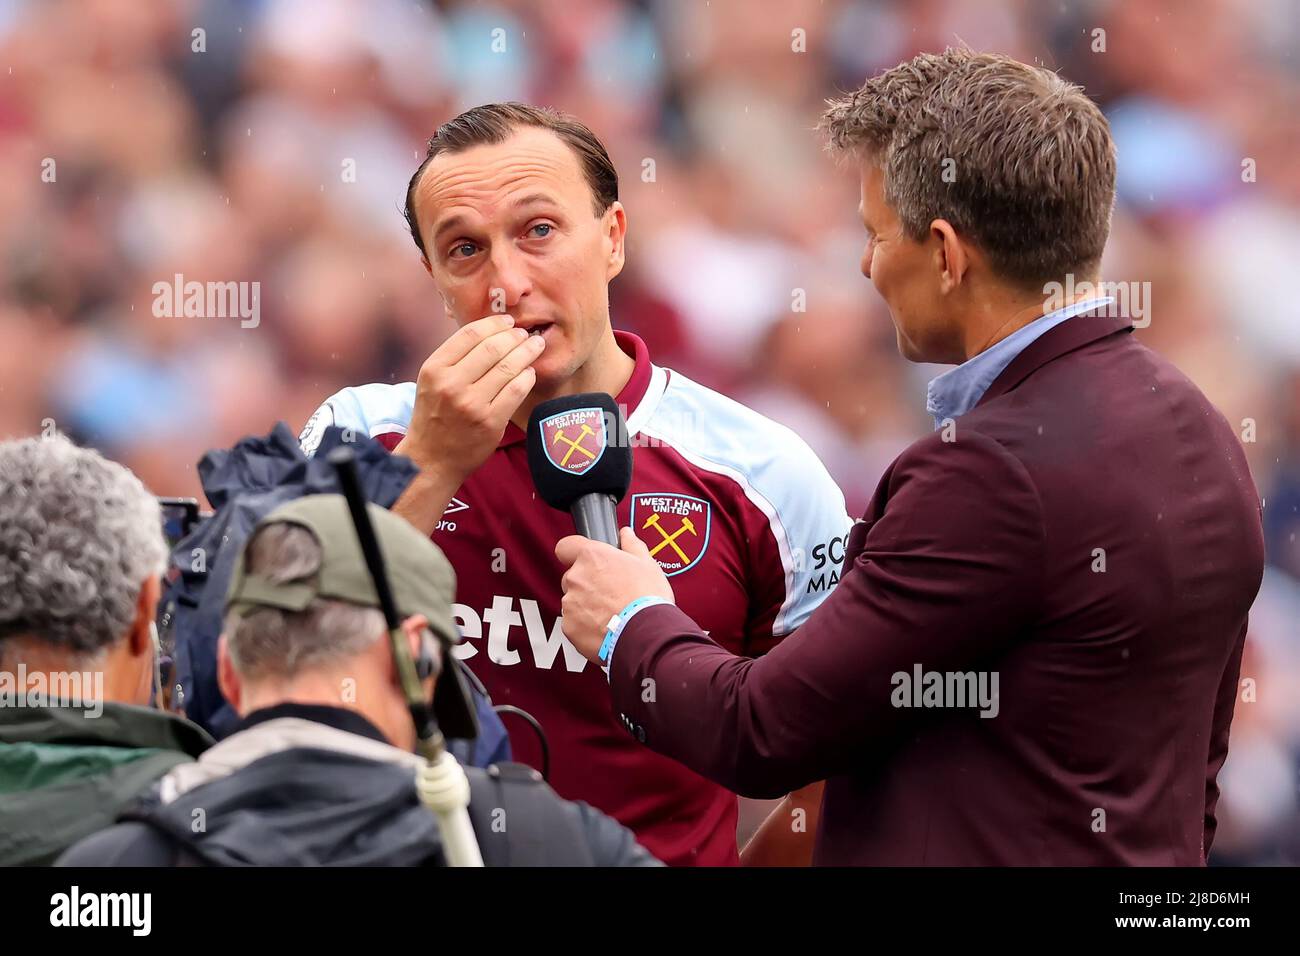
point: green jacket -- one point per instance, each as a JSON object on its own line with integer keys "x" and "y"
{"x": 65, "y": 774}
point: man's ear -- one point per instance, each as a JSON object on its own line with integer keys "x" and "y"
{"x": 615, "y": 226}
{"x": 227, "y": 677}
{"x": 416, "y": 629}
{"x": 950, "y": 256}
{"x": 413, "y": 627}
{"x": 424, "y": 261}
{"x": 139, "y": 639}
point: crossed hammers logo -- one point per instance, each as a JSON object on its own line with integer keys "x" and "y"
{"x": 670, "y": 540}
{"x": 575, "y": 444}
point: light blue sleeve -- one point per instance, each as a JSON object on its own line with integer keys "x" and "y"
{"x": 369, "y": 409}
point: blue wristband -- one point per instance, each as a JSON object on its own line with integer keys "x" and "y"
{"x": 619, "y": 621}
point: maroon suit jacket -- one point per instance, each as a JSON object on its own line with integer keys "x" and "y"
{"x": 1090, "y": 534}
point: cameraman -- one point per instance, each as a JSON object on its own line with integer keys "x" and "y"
{"x": 320, "y": 769}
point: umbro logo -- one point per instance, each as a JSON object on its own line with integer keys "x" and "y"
{"x": 453, "y": 506}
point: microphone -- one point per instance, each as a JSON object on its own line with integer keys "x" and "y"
{"x": 581, "y": 460}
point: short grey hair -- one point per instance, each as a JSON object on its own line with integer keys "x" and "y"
{"x": 1031, "y": 158}
{"x": 79, "y": 535}
{"x": 270, "y": 642}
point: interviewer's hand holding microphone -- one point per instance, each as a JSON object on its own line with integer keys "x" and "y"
{"x": 581, "y": 462}
{"x": 601, "y": 582}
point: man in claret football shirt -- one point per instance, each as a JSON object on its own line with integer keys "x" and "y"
{"x": 515, "y": 211}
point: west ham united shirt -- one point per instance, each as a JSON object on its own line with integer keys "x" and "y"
{"x": 737, "y": 510}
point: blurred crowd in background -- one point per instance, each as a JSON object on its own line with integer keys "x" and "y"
{"x": 271, "y": 141}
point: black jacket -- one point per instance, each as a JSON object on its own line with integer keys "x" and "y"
{"x": 333, "y": 805}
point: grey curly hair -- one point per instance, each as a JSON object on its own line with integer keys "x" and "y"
{"x": 78, "y": 536}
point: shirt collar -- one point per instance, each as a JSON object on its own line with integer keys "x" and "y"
{"x": 340, "y": 718}
{"x": 959, "y": 389}
{"x": 628, "y": 399}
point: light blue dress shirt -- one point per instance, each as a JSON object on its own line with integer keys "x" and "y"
{"x": 958, "y": 390}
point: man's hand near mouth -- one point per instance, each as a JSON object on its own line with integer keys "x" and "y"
{"x": 465, "y": 394}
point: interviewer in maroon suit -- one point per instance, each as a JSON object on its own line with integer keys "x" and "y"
{"x": 1033, "y": 654}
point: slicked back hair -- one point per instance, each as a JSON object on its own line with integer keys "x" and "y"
{"x": 494, "y": 123}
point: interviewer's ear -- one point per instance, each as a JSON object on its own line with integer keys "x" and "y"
{"x": 951, "y": 258}
{"x": 614, "y": 224}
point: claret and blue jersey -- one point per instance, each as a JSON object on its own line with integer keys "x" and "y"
{"x": 736, "y": 509}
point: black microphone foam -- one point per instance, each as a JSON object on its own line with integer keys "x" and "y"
{"x": 578, "y": 445}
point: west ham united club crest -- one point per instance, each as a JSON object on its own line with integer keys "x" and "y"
{"x": 574, "y": 440}
{"x": 674, "y": 527}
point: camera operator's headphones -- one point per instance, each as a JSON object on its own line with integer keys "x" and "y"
{"x": 426, "y": 664}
